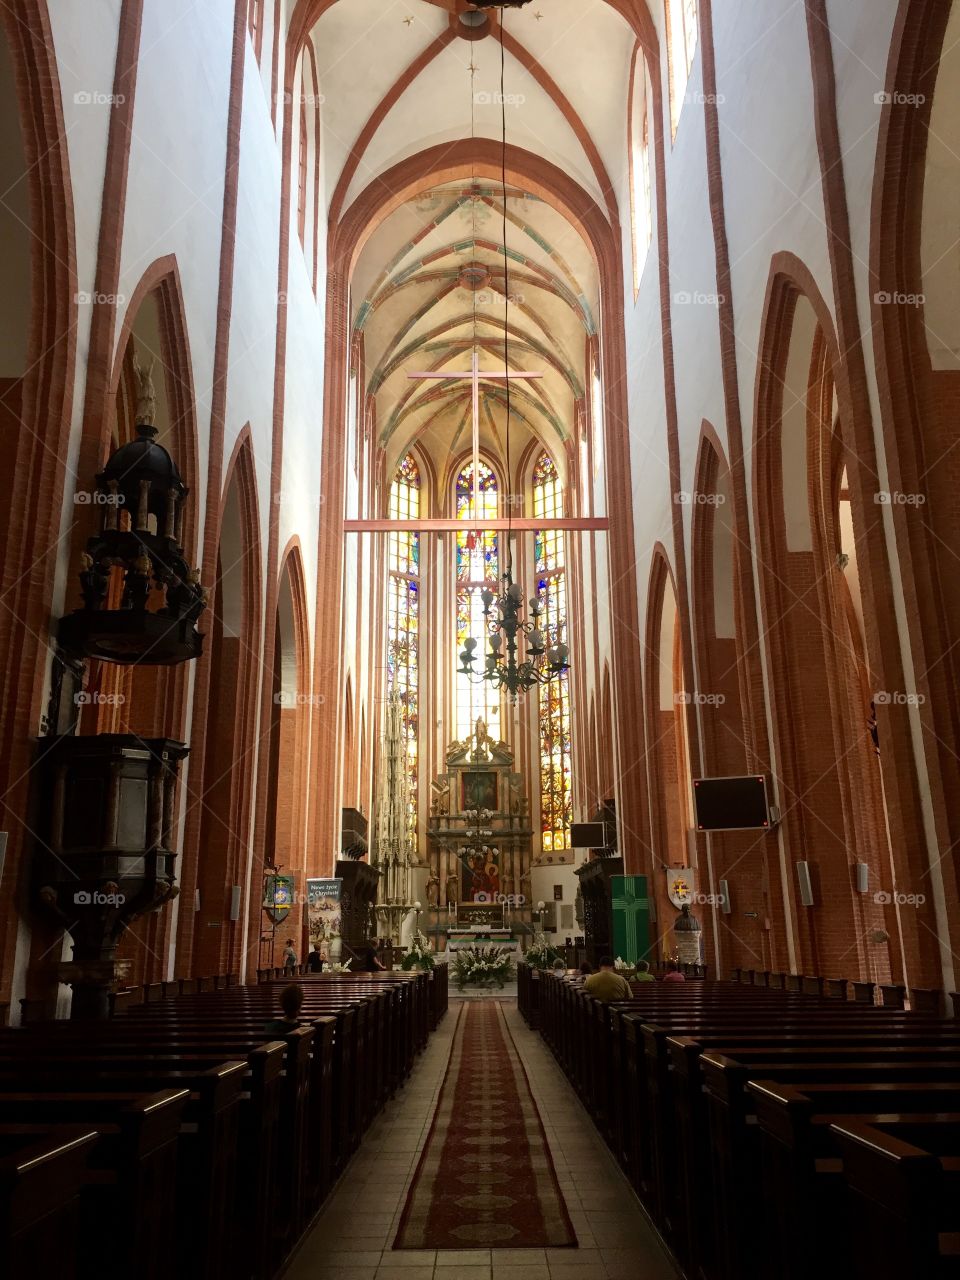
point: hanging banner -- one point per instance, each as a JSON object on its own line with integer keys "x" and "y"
{"x": 323, "y": 909}
{"x": 681, "y": 886}
{"x": 279, "y": 894}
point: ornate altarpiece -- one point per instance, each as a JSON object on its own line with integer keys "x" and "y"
{"x": 479, "y": 837}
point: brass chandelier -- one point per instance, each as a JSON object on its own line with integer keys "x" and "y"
{"x": 508, "y": 667}
{"x": 520, "y": 656}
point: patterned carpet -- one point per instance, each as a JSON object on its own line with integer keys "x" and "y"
{"x": 486, "y": 1178}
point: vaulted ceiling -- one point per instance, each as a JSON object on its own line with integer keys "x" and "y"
{"x": 430, "y": 282}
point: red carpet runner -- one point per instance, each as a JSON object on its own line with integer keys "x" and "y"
{"x": 485, "y": 1179}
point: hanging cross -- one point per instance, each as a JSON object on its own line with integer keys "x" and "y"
{"x": 478, "y": 523}
{"x": 475, "y": 375}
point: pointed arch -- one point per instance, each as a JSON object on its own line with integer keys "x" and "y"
{"x": 219, "y": 816}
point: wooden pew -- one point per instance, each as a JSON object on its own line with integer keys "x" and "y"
{"x": 42, "y": 1172}
{"x": 802, "y": 1168}
{"x": 903, "y": 1175}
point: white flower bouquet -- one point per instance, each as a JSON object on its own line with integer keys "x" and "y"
{"x": 482, "y": 966}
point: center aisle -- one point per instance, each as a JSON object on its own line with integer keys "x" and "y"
{"x": 353, "y": 1239}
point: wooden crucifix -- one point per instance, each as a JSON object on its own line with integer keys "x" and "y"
{"x": 475, "y": 375}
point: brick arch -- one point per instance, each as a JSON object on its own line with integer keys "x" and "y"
{"x": 36, "y": 412}
{"x": 438, "y": 164}
{"x": 747, "y": 861}
{"x": 219, "y": 793}
{"x": 829, "y": 785}
{"x": 918, "y": 411}
{"x": 668, "y": 760}
{"x": 285, "y": 740}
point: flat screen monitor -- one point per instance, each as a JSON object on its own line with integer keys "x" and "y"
{"x": 731, "y": 804}
{"x": 588, "y": 835}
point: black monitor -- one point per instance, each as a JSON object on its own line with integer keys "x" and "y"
{"x": 731, "y": 804}
{"x": 588, "y": 835}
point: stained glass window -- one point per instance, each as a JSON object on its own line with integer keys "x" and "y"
{"x": 682, "y": 35}
{"x": 403, "y": 616}
{"x": 641, "y": 190}
{"x": 477, "y": 567}
{"x": 556, "y": 790}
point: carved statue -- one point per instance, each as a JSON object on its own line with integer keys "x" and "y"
{"x": 433, "y": 890}
{"x": 146, "y": 411}
{"x": 453, "y": 889}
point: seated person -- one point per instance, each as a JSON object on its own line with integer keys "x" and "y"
{"x": 291, "y": 1001}
{"x": 607, "y": 985}
{"x": 315, "y": 959}
{"x": 586, "y": 969}
{"x": 673, "y": 973}
{"x": 643, "y": 972}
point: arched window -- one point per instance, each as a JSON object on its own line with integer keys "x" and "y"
{"x": 403, "y": 616}
{"x": 255, "y": 22}
{"x": 556, "y": 790}
{"x": 682, "y": 35}
{"x": 477, "y": 567}
{"x": 641, "y": 187}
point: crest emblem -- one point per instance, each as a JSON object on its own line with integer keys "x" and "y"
{"x": 681, "y": 886}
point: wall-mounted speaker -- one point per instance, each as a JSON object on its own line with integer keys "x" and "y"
{"x": 724, "y": 890}
{"x": 653, "y": 909}
{"x": 196, "y": 899}
{"x": 806, "y": 886}
{"x": 235, "y": 903}
{"x": 863, "y": 877}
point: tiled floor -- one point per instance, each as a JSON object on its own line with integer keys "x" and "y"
{"x": 352, "y": 1238}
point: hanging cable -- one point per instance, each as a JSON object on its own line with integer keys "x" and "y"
{"x": 506, "y": 294}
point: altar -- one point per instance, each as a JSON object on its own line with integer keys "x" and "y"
{"x": 479, "y": 836}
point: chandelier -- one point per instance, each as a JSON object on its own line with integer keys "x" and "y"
{"x": 507, "y": 666}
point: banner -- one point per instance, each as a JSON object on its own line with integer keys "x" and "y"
{"x": 631, "y": 918}
{"x": 279, "y": 895}
{"x": 681, "y": 886}
{"x": 323, "y": 909}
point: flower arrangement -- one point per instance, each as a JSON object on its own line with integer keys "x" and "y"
{"x": 541, "y": 955}
{"x": 625, "y": 970}
{"x": 419, "y": 956}
{"x": 337, "y": 967}
{"x": 483, "y": 965}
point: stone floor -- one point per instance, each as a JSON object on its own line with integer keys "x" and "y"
{"x": 351, "y": 1239}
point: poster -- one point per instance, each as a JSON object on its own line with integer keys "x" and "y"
{"x": 323, "y": 909}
